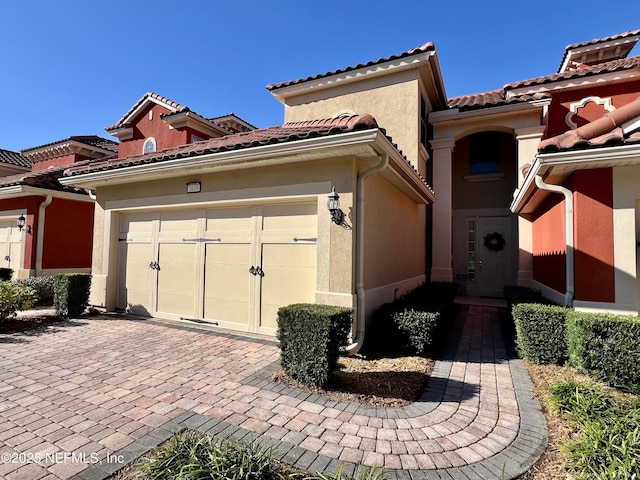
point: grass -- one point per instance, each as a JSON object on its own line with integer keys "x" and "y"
{"x": 594, "y": 430}
{"x": 191, "y": 455}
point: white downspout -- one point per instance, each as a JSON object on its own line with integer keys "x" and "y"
{"x": 360, "y": 303}
{"x": 568, "y": 196}
{"x": 40, "y": 233}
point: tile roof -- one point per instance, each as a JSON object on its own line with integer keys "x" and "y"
{"x": 90, "y": 140}
{"x": 595, "y": 41}
{"x": 13, "y": 158}
{"x": 429, "y": 46}
{"x": 494, "y": 98}
{"x": 45, "y": 179}
{"x": 288, "y": 132}
{"x": 155, "y": 96}
{"x": 606, "y": 131}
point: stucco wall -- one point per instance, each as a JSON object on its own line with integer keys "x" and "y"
{"x": 154, "y": 127}
{"x": 68, "y": 235}
{"x": 394, "y": 101}
{"x": 550, "y": 246}
{"x": 593, "y": 213}
{"x": 395, "y": 242}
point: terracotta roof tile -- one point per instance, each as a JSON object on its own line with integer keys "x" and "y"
{"x": 46, "y": 179}
{"x": 168, "y": 101}
{"x": 429, "y": 46}
{"x": 13, "y": 158}
{"x": 605, "y": 131}
{"x": 494, "y": 98}
{"x": 91, "y": 140}
{"x": 280, "y": 134}
{"x": 607, "y": 67}
{"x": 595, "y": 41}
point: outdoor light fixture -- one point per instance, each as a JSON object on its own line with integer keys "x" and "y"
{"x": 21, "y": 222}
{"x": 333, "y": 204}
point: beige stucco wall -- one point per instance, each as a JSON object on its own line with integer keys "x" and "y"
{"x": 286, "y": 183}
{"x": 394, "y": 101}
{"x": 395, "y": 239}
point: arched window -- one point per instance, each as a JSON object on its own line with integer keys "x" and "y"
{"x": 149, "y": 145}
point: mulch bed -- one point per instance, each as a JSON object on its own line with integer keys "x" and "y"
{"x": 376, "y": 382}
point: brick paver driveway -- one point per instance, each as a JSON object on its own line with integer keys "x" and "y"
{"x": 84, "y": 397}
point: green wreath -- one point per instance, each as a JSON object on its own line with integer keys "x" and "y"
{"x": 494, "y": 242}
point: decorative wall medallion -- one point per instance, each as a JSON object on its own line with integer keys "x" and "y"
{"x": 575, "y": 106}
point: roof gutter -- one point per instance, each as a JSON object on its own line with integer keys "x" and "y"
{"x": 360, "y": 292}
{"x": 40, "y": 232}
{"x": 570, "y": 258}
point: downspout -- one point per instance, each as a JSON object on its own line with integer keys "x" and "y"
{"x": 40, "y": 233}
{"x": 360, "y": 295}
{"x": 568, "y": 196}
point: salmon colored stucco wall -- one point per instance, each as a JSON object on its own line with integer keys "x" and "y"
{"x": 68, "y": 234}
{"x": 57, "y": 162}
{"x": 593, "y": 213}
{"x": 550, "y": 247}
{"x": 156, "y": 128}
{"x": 620, "y": 95}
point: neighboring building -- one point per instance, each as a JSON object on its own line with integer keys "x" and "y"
{"x": 55, "y": 231}
{"x": 213, "y": 220}
{"x": 12, "y": 162}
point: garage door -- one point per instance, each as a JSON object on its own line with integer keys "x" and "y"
{"x": 10, "y": 246}
{"x": 233, "y": 267}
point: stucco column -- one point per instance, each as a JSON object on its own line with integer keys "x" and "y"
{"x": 527, "y": 140}
{"x": 441, "y": 270}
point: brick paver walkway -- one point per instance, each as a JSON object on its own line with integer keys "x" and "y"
{"x": 85, "y": 397}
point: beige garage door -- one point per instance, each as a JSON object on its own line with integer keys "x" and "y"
{"x": 233, "y": 267}
{"x": 10, "y": 246}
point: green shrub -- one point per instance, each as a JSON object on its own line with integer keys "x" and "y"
{"x": 43, "y": 286}
{"x": 71, "y": 294}
{"x": 541, "y": 332}
{"x": 416, "y": 329}
{"x": 412, "y": 322}
{"x": 14, "y": 298}
{"x": 606, "y": 346}
{"x": 311, "y": 337}
{"x": 516, "y": 294}
{"x": 607, "y": 444}
{"x": 5, "y": 274}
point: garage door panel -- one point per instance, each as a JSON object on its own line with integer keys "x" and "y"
{"x": 286, "y": 217}
{"x": 177, "y": 279}
{"x": 134, "y": 277}
{"x": 230, "y": 219}
{"x": 289, "y": 277}
{"x": 227, "y": 283}
{"x": 180, "y": 221}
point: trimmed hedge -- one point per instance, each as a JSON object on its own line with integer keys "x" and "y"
{"x": 310, "y": 338}
{"x": 606, "y": 346}
{"x": 541, "y": 332}
{"x": 411, "y": 323}
{"x": 516, "y": 294}
{"x": 71, "y": 294}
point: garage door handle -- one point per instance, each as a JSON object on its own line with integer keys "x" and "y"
{"x": 256, "y": 271}
{"x": 154, "y": 266}
{"x": 259, "y": 271}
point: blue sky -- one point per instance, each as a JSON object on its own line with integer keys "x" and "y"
{"x": 73, "y": 67}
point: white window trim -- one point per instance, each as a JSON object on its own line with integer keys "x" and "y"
{"x": 144, "y": 145}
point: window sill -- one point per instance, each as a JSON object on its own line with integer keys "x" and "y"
{"x": 485, "y": 177}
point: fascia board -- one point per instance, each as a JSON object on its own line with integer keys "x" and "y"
{"x": 267, "y": 155}
{"x": 16, "y": 191}
{"x": 371, "y": 71}
{"x": 455, "y": 115}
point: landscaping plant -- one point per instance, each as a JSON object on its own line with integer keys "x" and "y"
{"x": 14, "y": 298}
{"x": 607, "y": 440}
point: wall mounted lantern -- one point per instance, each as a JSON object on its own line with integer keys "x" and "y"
{"x": 21, "y": 223}
{"x": 333, "y": 204}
